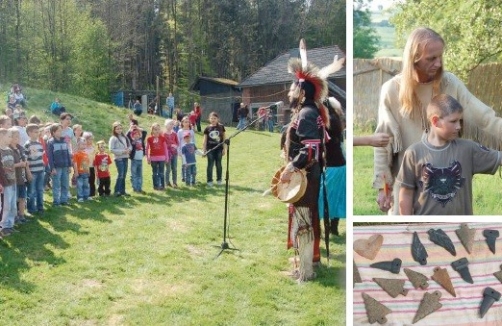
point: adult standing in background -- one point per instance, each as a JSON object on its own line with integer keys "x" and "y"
{"x": 170, "y": 105}
{"x": 402, "y": 110}
{"x": 137, "y": 108}
{"x": 242, "y": 113}
{"x": 198, "y": 114}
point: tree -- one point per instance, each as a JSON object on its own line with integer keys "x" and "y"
{"x": 365, "y": 37}
{"x": 471, "y": 29}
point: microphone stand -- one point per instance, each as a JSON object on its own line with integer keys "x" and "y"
{"x": 224, "y": 245}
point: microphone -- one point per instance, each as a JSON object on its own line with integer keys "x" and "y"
{"x": 276, "y": 105}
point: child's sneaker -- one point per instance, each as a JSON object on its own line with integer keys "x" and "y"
{"x": 209, "y": 184}
{"x": 220, "y": 183}
{"x": 80, "y": 200}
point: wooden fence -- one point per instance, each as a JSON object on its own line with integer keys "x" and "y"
{"x": 485, "y": 82}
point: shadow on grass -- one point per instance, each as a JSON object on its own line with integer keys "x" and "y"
{"x": 17, "y": 254}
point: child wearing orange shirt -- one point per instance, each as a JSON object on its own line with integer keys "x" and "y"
{"x": 81, "y": 168}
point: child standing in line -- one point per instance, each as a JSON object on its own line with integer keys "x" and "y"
{"x": 35, "y": 152}
{"x": 9, "y": 187}
{"x": 120, "y": 146}
{"x": 176, "y": 125}
{"x": 43, "y": 140}
{"x": 68, "y": 136}
{"x": 6, "y": 123}
{"x": 67, "y": 131}
{"x": 23, "y": 175}
{"x": 157, "y": 155}
{"x": 436, "y": 174}
{"x": 60, "y": 164}
{"x": 137, "y": 138}
{"x": 188, "y": 159}
{"x": 91, "y": 151}
{"x": 81, "y": 164}
{"x": 214, "y": 136}
{"x": 185, "y": 126}
{"x": 101, "y": 164}
{"x": 172, "y": 145}
{"x": 78, "y": 131}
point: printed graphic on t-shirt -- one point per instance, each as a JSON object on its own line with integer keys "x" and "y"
{"x": 442, "y": 184}
{"x": 214, "y": 135}
{"x": 138, "y": 146}
{"x": 104, "y": 165}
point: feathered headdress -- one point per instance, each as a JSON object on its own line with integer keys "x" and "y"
{"x": 306, "y": 71}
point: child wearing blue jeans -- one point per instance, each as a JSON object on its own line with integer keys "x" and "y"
{"x": 60, "y": 164}
{"x": 35, "y": 151}
{"x": 188, "y": 155}
{"x": 23, "y": 175}
{"x": 81, "y": 167}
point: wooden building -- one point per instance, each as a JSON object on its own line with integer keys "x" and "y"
{"x": 270, "y": 84}
{"x": 220, "y": 95}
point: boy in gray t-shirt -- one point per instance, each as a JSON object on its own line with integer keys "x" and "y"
{"x": 436, "y": 174}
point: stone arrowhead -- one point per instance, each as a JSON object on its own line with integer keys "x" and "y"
{"x": 442, "y": 277}
{"x": 466, "y": 236}
{"x": 429, "y": 304}
{"x": 489, "y": 297}
{"x": 391, "y": 286}
{"x": 491, "y": 238}
{"x": 356, "y": 275}
{"x": 498, "y": 274}
{"x": 418, "y": 280}
{"x": 375, "y": 311}
{"x": 368, "y": 248}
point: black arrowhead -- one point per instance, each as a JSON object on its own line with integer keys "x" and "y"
{"x": 440, "y": 238}
{"x": 489, "y": 297}
{"x": 391, "y": 266}
{"x": 418, "y": 250}
{"x": 462, "y": 267}
{"x": 491, "y": 237}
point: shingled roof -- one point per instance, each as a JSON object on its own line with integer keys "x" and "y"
{"x": 276, "y": 71}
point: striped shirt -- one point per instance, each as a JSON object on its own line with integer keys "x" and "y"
{"x": 34, "y": 154}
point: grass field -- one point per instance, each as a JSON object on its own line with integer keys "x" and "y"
{"x": 153, "y": 259}
{"x": 487, "y": 189}
{"x": 387, "y": 35}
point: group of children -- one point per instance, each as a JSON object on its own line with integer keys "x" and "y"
{"x": 34, "y": 157}
{"x": 162, "y": 149}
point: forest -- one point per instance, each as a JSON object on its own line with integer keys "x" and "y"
{"x": 91, "y": 48}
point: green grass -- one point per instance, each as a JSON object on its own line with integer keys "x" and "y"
{"x": 152, "y": 259}
{"x": 486, "y": 188}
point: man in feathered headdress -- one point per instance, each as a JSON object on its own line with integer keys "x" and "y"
{"x": 304, "y": 151}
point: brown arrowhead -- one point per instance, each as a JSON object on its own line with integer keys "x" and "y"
{"x": 375, "y": 311}
{"x": 466, "y": 236}
{"x": 429, "y": 304}
{"x": 356, "y": 275}
{"x": 498, "y": 274}
{"x": 368, "y": 248}
{"x": 442, "y": 277}
{"x": 391, "y": 286}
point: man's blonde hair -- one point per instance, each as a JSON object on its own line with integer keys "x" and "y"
{"x": 418, "y": 40}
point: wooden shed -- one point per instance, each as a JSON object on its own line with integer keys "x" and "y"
{"x": 220, "y": 95}
{"x": 270, "y": 84}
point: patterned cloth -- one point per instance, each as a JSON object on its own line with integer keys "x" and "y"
{"x": 461, "y": 310}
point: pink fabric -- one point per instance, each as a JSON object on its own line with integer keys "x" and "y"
{"x": 461, "y": 310}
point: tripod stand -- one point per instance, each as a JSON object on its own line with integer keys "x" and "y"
{"x": 224, "y": 245}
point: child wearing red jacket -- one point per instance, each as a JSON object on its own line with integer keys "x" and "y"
{"x": 157, "y": 155}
